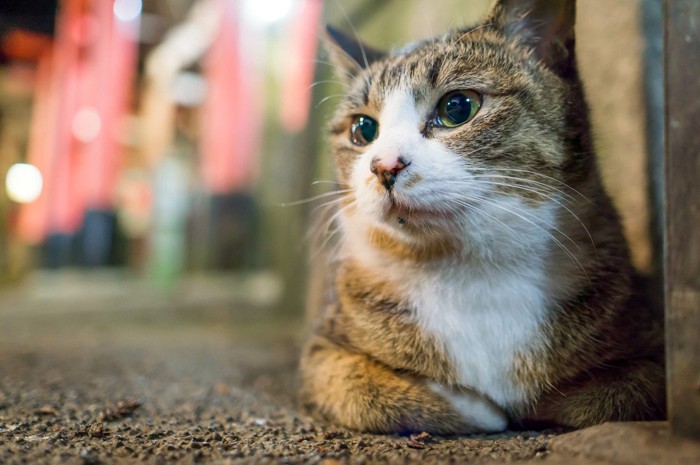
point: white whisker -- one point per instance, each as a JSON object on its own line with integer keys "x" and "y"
{"x": 534, "y": 173}
{"x": 551, "y": 198}
{"x": 357, "y": 38}
{"x": 317, "y": 197}
{"x": 565, "y": 249}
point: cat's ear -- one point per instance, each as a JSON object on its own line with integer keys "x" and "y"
{"x": 545, "y": 26}
{"x": 347, "y": 53}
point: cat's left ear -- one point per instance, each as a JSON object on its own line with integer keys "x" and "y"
{"x": 348, "y": 54}
{"x": 545, "y": 26}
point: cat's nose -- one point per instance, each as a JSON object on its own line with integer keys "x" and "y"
{"x": 386, "y": 170}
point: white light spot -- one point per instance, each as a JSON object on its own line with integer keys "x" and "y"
{"x": 23, "y": 183}
{"x": 87, "y": 124}
{"x": 267, "y": 11}
{"x": 127, "y": 10}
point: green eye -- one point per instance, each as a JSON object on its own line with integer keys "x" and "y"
{"x": 364, "y": 130}
{"x": 456, "y": 108}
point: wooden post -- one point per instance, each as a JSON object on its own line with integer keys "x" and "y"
{"x": 682, "y": 241}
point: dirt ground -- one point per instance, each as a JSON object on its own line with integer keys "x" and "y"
{"x": 121, "y": 375}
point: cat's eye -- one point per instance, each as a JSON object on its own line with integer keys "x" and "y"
{"x": 363, "y": 130}
{"x": 457, "y": 108}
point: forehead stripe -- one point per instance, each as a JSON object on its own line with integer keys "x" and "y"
{"x": 435, "y": 70}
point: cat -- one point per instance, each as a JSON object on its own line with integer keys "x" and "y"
{"x": 482, "y": 279}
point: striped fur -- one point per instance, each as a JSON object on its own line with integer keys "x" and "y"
{"x": 492, "y": 283}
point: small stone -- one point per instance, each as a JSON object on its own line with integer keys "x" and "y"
{"x": 415, "y": 444}
{"x": 89, "y": 458}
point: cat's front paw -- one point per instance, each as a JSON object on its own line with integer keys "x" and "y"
{"x": 482, "y": 414}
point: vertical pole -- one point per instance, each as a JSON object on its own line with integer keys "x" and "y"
{"x": 297, "y": 87}
{"x": 231, "y": 129}
{"x": 682, "y": 241}
{"x": 111, "y": 60}
{"x": 63, "y": 196}
{"x": 31, "y": 224}
{"x": 229, "y": 122}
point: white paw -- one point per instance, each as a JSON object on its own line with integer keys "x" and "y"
{"x": 482, "y": 414}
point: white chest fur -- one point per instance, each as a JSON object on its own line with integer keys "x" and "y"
{"x": 484, "y": 312}
{"x": 484, "y": 318}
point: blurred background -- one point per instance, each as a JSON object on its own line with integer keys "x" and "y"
{"x": 160, "y": 147}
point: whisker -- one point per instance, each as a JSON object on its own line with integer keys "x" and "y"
{"x": 317, "y": 197}
{"x": 348, "y": 75}
{"x": 532, "y": 216}
{"x": 453, "y": 43}
{"x": 362, "y": 48}
{"x": 325, "y": 231}
{"x": 481, "y": 211}
{"x": 541, "y": 185}
{"x": 553, "y": 199}
{"x": 354, "y": 31}
{"x": 517, "y": 170}
{"x": 330, "y": 203}
{"x": 325, "y": 99}
{"x": 324, "y": 181}
{"x": 556, "y": 241}
{"x": 325, "y": 81}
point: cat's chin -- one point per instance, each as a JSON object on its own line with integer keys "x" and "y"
{"x": 405, "y": 215}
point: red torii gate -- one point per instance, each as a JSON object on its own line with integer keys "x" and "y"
{"x": 83, "y": 89}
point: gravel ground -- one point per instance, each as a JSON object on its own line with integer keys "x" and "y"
{"x": 120, "y": 378}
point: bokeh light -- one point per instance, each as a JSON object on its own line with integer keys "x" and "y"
{"x": 87, "y": 124}
{"x": 23, "y": 183}
{"x": 127, "y": 10}
{"x": 267, "y": 11}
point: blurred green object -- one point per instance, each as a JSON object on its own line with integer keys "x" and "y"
{"x": 171, "y": 205}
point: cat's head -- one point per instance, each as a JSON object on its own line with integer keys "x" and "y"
{"x": 468, "y": 125}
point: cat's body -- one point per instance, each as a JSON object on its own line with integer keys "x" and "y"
{"x": 482, "y": 275}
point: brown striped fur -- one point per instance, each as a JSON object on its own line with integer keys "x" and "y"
{"x": 598, "y": 354}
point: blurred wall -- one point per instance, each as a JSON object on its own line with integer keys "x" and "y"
{"x": 610, "y": 46}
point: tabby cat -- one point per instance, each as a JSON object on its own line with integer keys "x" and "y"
{"x": 482, "y": 280}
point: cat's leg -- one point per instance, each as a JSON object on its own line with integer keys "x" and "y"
{"x": 355, "y": 391}
{"x": 628, "y": 391}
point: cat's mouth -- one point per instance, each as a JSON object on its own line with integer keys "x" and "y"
{"x": 402, "y": 213}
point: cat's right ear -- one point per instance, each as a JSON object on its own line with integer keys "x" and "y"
{"x": 546, "y": 27}
{"x": 348, "y": 54}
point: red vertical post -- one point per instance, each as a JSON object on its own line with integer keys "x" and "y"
{"x": 65, "y": 203}
{"x": 112, "y": 60}
{"x": 230, "y": 117}
{"x": 32, "y": 220}
{"x": 91, "y": 76}
{"x": 296, "y": 93}
{"x": 231, "y": 125}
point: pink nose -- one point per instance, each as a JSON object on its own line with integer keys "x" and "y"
{"x": 386, "y": 170}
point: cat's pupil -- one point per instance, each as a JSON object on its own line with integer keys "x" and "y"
{"x": 363, "y": 130}
{"x": 457, "y": 108}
